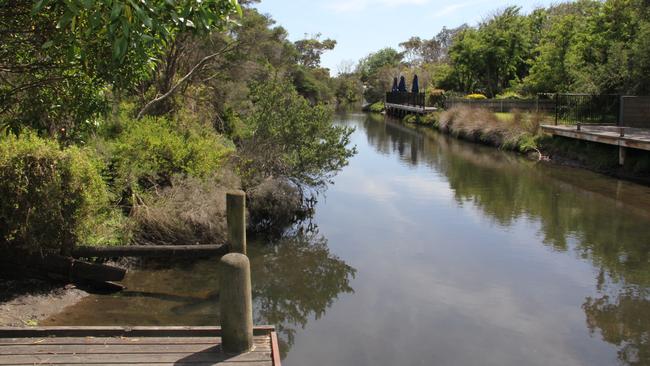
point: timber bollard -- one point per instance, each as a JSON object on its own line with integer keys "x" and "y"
{"x": 236, "y": 303}
{"x": 236, "y": 220}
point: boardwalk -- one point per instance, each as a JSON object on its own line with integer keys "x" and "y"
{"x": 400, "y": 110}
{"x": 636, "y": 138}
{"x": 153, "y": 346}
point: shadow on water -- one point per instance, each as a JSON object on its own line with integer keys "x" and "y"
{"x": 294, "y": 280}
{"x": 598, "y": 219}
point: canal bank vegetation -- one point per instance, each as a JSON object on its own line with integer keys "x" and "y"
{"x": 515, "y": 131}
{"x": 587, "y": 46}
{"x": 521, "y": 132}
{"x": 127, "y": 123}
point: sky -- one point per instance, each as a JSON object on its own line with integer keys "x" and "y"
{"x": 364, "y": 26}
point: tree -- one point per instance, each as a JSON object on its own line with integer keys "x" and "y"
{"x": 311, "y": 49}
{"x": 292, "y": 140}
{"x": 70, "y": 51}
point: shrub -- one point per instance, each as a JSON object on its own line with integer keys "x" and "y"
{"x": 274, "y": 206}
{"x": 518, "y": 132}
{"x": 50, "y": 198}
{"x": 435, "y": 97}
{"x": 191, "y": 211}
{"x": 150, "y": 152}
{"x": 411, "y": 118}
{"x": 377, "y": 107}
{"x": 475, "y": 96}
{"x": 510, "y": 95}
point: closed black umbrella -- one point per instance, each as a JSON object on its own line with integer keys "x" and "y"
{"x": 402, "y": 84}
{"x": 416, "y": 85}
{"x": 394, "y": 89}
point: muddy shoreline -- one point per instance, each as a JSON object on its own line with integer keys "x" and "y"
{"x": 27, "y": 302}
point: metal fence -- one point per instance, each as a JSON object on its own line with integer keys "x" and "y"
{"x": 504, "y": 105}
{"x": 406, "y": 98}
{"x": 587, "y": 109}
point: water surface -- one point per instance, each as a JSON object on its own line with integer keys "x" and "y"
{"x": 433, "y": 251}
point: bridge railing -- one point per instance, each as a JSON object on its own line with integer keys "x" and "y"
{"x": 406, "y": 98}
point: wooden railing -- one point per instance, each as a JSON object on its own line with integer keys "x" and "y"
{"x": 406, "y": 98}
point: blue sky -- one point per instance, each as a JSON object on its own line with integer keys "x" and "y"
{"x": 364, "y": 26}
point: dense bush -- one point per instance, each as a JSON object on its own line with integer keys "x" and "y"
{"x": 518, "y": 132}
{"x": 435, "y": 97}
{"x": 274, "y": 206}
{"x": 191, "y": 211}
{"x": 150, "y": 152}
{"x": 50, "y": 198}
{"x": 377, "y": 107}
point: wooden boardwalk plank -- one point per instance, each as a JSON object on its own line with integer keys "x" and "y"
{"x": 131, "y": 346}
{"x": 4, "y": 342}
{"x": 133, "y": 358}
{"x": 636, "y": 138}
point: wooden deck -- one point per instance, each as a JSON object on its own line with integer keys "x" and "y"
{"x": 153, "y": 346}
{"x": 636, "y": 138}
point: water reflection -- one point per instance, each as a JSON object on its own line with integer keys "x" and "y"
{"x": 294, "y": 280}
{"x": 578, "y": 212}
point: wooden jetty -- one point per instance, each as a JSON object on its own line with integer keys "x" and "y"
{"x": 623, "y": 137}
{"x": 400, "y": 104}
{"x": 236, "y": 343}
{"x": 157, "y": 346}
{"x": 396, "y": 109}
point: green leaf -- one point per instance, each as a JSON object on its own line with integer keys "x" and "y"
{"x": 38, "y": 6}
{"x": 119, "y": 48}
{"x": 88, "y": 3}
{"x": 65, "y": 19}
{"x": 47, "y": 44}
{"x": 117, "y": 10}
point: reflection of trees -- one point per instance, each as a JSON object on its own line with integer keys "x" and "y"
{"x": 294, "y": 280}
{"x": 623, "y": 320}
{"x": 573, "y": 209}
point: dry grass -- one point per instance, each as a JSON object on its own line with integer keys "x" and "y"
{"x": 516, "y": 130}
{"x": 192, "y": 211}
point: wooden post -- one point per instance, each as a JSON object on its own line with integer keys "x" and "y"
{"x": 621, "y": 155}
{"x": 236, "y": 219}
{"x": 236, "y": 303}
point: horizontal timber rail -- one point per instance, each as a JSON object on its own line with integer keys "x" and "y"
{"x": 153, "y": 251}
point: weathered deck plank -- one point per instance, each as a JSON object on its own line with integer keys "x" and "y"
{"x": 131, "y": 346}
{"x": 636, "y": 138}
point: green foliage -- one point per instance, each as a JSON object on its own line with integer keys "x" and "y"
{"x": 349, "y": 89}
{"x": 62, "y": 58}
{"x": 292, "y": 139}
{"x": 475, "y": 96}
{"x": 311, "y": 49}
{"x": 377, "y": 107}
{"x": 313, "y": 84}
{"x": 50, "y": 198}
{"x": 377, "y": 72}
{"x": 510, "y": 95}
{"x": 435, "y": 97}
{"x": 151, "y": 151}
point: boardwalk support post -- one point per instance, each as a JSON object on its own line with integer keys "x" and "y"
{"x": 621, "y": 155}
{"x": 236, "y": 303}
{"x": 236, "y": 220}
